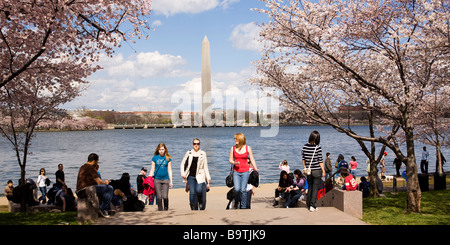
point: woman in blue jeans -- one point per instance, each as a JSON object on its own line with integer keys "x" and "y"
{"x": 194, "y": 170}
{"x": 312, "y": 159}
{"x": 240, "y": 155}
{"x": 41, "y": 185}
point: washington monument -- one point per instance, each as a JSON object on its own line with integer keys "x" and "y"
{"x": 206, "y": 80}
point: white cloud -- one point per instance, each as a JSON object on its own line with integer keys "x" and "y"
{"x": 226, "y": 3}
{"x": 173, "y": 7}
{"x": 129, "y": 95}
{"x": 140, "y": 93}
{"x": 246, "y": 36}
{"x": 156, "y": 23}
{"x": 145, "y": 65}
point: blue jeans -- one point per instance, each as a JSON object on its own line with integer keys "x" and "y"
{"x": 105, "y": 193}
{"x": 240, "y": 181}
{"x": 197, "y": 194}
{"x": 43, "y": 190}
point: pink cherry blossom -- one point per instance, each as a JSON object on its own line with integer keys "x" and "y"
{"x": 386, "y": 56}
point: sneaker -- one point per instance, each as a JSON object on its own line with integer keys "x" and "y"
{"x": 311, "y": 209}
{"x": 104, "y": 213}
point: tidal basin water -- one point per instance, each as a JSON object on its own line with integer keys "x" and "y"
{"x": 128, "y": 150}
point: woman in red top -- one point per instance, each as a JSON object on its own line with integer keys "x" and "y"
{"x": 240, "y": 154}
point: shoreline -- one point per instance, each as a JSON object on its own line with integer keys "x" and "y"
{"x": 169, "y": 126}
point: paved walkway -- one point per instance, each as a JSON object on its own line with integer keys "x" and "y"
{"x": 261, "y": 213}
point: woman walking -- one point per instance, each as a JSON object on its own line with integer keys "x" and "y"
{"x": 312, "y": 159}
{"x": 240, "y": 154}
{"x": 161, "y": 171}
{"x": 194, "y": 170}
{"x": 42, "y": 185}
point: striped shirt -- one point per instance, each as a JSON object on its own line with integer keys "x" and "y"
{"x": 307, "y": 154}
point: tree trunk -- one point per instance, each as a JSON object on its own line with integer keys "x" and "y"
{"x": 23, "y": 187}
{"x": 413, "y": 193}
{"x": 439, "y": 167}
{"x": 373, "y": 176}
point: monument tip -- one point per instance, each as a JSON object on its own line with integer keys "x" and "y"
{"x": 205, "y": 39}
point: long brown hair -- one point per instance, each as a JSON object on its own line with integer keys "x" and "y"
{"x": 166, "y": 152}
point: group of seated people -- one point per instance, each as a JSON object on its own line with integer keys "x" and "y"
{"x": 63, "y": 197}
{"x": 291, "y": 189}
{"x": 124, "y": 195}
{"x": 60, "y": 196}
{"x": 294, "y": 187}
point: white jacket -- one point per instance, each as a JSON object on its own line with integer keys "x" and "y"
{"x": 202, "y": 166}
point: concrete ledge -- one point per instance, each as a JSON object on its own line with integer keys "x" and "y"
{"x": 349, "y": 202}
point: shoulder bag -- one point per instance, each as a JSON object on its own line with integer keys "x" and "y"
{"x": 307, "y": 171}
{"x": 229, "y": 178}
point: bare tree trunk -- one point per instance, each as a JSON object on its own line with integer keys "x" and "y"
{"x": 373, "y": 176}
{"x": 23, "y": 187}
{"x": 439, "y": 167}
{"x": 413, "y": 192}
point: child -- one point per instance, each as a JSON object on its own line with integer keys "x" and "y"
{"x": 349, "y": 182}
{"x": 284, "y": 166}
{"x": 140, "y": 185}
{"x": 364, "y": 186}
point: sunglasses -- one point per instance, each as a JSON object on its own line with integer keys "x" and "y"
{"x": 196, "y": 143}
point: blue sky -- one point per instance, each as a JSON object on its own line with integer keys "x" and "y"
{"x": 149, "y": 74}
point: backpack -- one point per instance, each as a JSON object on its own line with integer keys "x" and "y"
{"x": 132, "y": 204}
{"x": 343, "y": 164}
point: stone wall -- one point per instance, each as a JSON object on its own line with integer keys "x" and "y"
{"x": 347, "y": 201}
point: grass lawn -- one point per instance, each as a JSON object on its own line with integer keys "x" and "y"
{"x": 38, "y": 218}
{"x": 390, "y": 210}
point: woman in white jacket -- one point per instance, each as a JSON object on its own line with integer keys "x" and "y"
{"x": 194, "y": 170}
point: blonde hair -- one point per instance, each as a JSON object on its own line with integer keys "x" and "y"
{"x": 166, "y": 152}
{"x": 241, "y": 138}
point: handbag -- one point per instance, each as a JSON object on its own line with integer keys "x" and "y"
{"x": 307, "y": 171}
{"x": 229, "y": 178}
{"x": 47, "y": 181}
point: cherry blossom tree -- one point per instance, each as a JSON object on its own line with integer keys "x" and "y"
{"x": 36, "y": 30}
{"x": 384, "y": 56}
{"x": 48, "y": 49}
{"x": 432, "y": 127}
{"x": 24, "y": 103}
